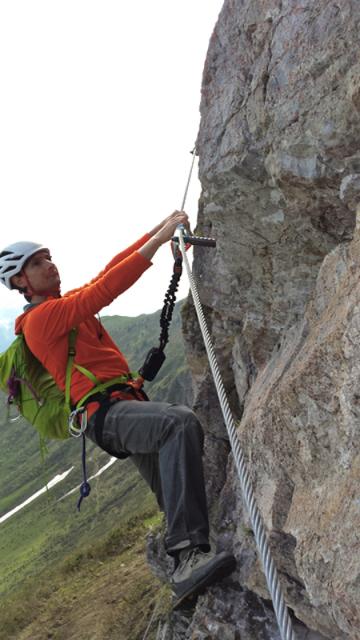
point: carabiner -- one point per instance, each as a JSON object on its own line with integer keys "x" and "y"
{"x": 12, "y": 418}
{"x": 75, "y": 429}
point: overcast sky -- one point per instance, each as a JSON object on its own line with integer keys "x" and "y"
{"x": 99, "y": 111}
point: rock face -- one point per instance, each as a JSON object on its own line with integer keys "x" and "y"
{"x": 280, "y": 170}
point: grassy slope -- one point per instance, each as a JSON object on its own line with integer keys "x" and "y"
{"x": 49, "y": 533}
{"x": 105, "y": 591}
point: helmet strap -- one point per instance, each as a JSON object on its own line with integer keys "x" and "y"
{"x": 30, "y": 291}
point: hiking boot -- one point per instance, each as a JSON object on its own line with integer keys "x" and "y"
{"x": 197, "y": 570}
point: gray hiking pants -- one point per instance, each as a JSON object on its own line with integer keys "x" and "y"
{"x": 165, "y": 442}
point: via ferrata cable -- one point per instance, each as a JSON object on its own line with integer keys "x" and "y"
{"x": 271, "y": 573}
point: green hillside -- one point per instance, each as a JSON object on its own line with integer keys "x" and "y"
{"x": 54, "y": 560}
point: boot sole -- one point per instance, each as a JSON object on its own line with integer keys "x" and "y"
{"x": 188, "y": 599}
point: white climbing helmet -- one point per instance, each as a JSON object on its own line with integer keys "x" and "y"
{"x": 13, "y": 258}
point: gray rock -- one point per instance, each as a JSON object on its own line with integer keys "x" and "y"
{"x": 280, "y": 166}
{"x": 350, "y": 190}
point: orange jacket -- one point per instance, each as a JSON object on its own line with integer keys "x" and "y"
{"x": 46, "y": 326}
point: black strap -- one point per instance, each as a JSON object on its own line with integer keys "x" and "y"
{"x": 169, "y": 303}
{"x": 100, "y": 416}
{"x": 156, "y": 356}
{"x": 105, "y": 402}
{"x": 103, "y": 396}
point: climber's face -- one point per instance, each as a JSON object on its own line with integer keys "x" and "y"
{"x": 39, "y": 275}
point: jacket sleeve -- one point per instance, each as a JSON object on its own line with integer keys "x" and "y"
{"x": 116, "y": 260}
{"x": 55, "y": 317}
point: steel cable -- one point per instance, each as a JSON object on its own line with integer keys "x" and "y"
{"x": 271, "y": 574}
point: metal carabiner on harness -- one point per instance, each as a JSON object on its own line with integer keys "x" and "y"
{"x": 9, "y": 417}
{"x": 75, "y": 429}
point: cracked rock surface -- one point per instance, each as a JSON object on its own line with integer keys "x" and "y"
{"x": 279, "y": 160}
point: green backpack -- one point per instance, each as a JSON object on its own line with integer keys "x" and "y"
{"x": 35, "y": 393}
{"x": 33, "y": 390}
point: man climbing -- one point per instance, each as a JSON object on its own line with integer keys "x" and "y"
{"x": 164, "y": 441}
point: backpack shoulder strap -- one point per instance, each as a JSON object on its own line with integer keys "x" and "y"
{"x": 70, "y": 363}
{"x": 98, "y": 385}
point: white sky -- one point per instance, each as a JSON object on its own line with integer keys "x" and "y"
{"x": 99, "y": 110}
